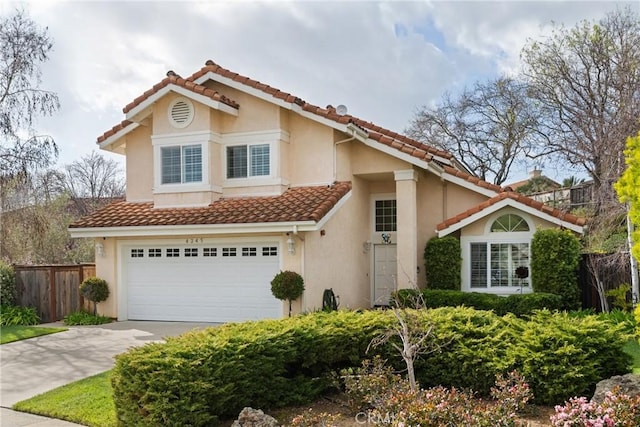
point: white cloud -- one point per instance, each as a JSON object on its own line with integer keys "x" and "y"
{"x": 108, "y": 53}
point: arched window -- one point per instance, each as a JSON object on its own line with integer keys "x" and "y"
{"x": 509, "y": 223}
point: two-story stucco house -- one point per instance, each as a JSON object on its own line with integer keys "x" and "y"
{"x": 230, "y": 181}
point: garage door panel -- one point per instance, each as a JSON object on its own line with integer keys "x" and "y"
{"x": 202, "y": 288}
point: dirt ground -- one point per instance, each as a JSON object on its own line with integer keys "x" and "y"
{"x": 537, "y": 416}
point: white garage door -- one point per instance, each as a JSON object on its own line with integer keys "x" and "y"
{"x": 201, "y": 282}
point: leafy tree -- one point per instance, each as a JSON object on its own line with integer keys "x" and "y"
{"x": 487, "y": 127}
{"x": 628, "y": 185}
{"x": 95, "y": 290}
{"x": 23, "y": 48}
{"x": 287, "y": 285}
{"x": 586, "y": 82}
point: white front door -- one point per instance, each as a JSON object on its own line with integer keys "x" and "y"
{"x": 385, "y": 273}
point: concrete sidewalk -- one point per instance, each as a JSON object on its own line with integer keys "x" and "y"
{"x": 31, "y": 367}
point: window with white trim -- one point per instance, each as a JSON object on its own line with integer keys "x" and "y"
{"x": 500, "y": 260}
{"x": 244, "y": 161}
{"x": 385, "y": 215}
{"x": 181, "y": 164}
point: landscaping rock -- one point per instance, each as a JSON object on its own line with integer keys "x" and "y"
{"x": 250, "y": 417}
{"x": 628, "y": 384}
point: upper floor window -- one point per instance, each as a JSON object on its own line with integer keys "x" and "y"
{"x": 385, "y": 215}
{"x": 181, "y": 164}
{"x": 245, "y": 161}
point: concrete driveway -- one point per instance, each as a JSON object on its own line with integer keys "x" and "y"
{"x": 36, "y": 365}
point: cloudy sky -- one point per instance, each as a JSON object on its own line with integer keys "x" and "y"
{"x": 382, "y": 60}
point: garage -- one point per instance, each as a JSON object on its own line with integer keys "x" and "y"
{"x": 201, "y": 282}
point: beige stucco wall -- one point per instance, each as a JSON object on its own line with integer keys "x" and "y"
{"x": 161, "y": 125}
{"x": 338, "y": 259}
{"x": 139, "y": 165}
{"x": 310, "y": 152}
{"x": 106, "y": 268}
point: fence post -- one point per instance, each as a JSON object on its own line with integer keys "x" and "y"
{"x": 52, "y": 295}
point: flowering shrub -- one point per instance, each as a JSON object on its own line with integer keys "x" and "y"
{"x": 616, "y": 409}
{"x": 313, "y": 419}
{"x": 393, "y": 402}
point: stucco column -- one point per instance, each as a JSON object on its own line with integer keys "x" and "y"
{"x": 407, "y": 228}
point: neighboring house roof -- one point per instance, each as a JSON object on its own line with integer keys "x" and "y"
{"x": 509, "y": 198}
{"x": 298, "y": 205}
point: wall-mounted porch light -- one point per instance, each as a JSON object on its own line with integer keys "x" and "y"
{"x": 99, "y": 249}
{"x": 291, "y": 245}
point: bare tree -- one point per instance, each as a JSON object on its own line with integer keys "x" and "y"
{"x": 487, "y": 127}
{"x": 416, "y": 337}
{"x": 586, "y": 82}
{"x": 23, "y": 48}
{"x": 93, "y": 181}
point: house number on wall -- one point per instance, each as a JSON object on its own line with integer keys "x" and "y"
{"x": 194, "y": 240}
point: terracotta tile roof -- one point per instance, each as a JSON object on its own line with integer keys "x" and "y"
{"x": 564, "y": 216}
{"x": 472, "y": 179}
{"x": 173, "y": 78}
{"x": 117, "y": 128}
{"x": 379, "y": 134}
{"x": 294, "y": 205}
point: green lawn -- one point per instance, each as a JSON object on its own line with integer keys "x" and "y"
{"x": 88, "y": 402}
{"x": 16, "y": 333}
{"x": 633, "y": 348}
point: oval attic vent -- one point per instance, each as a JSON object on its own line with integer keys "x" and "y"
{"x": 181, "y": 112}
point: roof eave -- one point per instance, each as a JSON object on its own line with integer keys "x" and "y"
{"x": 138, "y": 112}
{"x": 181, "y": 230}
{"x": 111, "y": 143}
{"x": 514, "y": 204}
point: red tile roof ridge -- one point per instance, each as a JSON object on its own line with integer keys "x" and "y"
{"x": 473, "y": 179}
{"x": 329, "y": 113}
{"x": 564, "y": 216}
{"x": 175, "y": 79}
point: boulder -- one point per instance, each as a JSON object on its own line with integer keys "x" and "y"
{"x": 250, "y": 417}
{"x": 628, "y": 384}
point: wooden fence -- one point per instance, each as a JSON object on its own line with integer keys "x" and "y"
{"x": 52, "y": 289}
{"x": 612, "y": 275}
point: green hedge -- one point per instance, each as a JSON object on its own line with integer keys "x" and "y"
{"x": 555, "y": 255}
{"x": 443, "y": 263}
{"x": 518, "y": 304}
{"x": 8, "y": 289}
{"x": 201, "y": 376}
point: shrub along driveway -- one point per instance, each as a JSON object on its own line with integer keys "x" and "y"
{"x": 33, "y": 366}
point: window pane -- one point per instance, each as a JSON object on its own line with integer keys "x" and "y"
{"x": 385, "y": 215}
{"x": 237, "y": 161}
{"x": 500, "y": 264}
{"x": 171, "y": 173}
{"x": 192, "y": 163}
{"x": 259, "y": 160}
{"x": 478, "y": 265}
{"x": 509, "y": 222}
{"x": 505, "y": 258}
